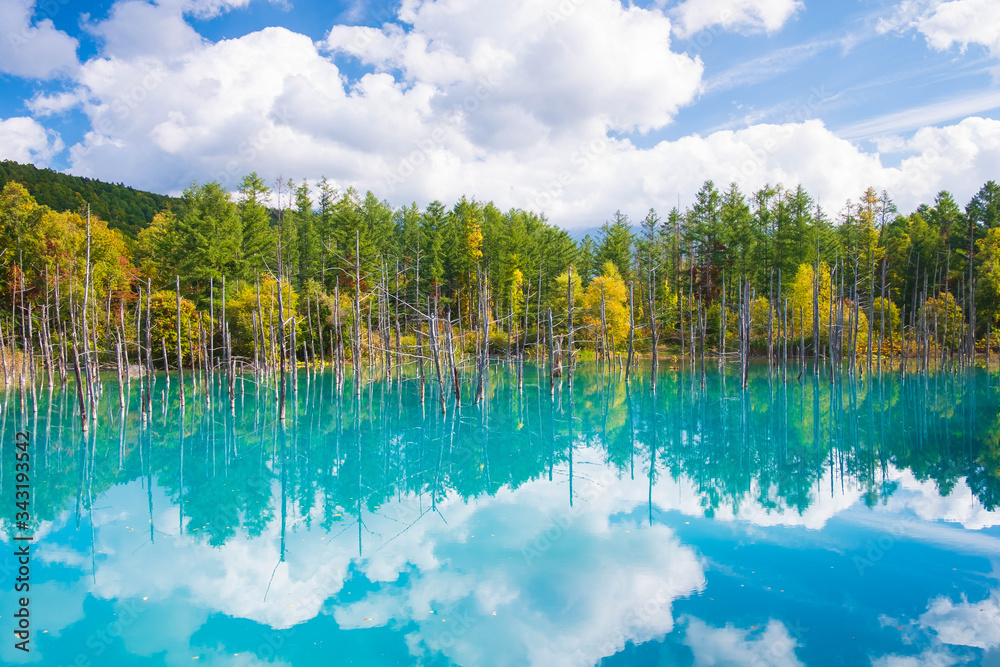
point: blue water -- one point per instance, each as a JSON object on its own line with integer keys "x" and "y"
{"x": 796, "y": 522}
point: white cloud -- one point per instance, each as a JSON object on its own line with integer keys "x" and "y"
{"x": 24, "y": 139}
{"x": 921, "y": 116}
{"x": 215, "y": 112}
{"x": 566, "y": 66}
{"x": 43, "y": 105}
{"x": 594, "y": 588}
{"x": 54, "y": 607}
{"x": 952, "y": 629}
{"x": 137, "y": 28}
{"x": 746, "y": 16}
{"x": 975, "y": 624}
{"x": 964, "y": 22}
{"x": 958, "y": 158}
{"x": 515, "y": 104}
{"x": 34, "y": 49}
{"x": 568, "y": 587}
{"x": 208, "y": 8}
{"x": 934, "y": 656}
{"x": 731, "y": 646}
{"x": 925, "y": 500}
{"x": 945, "y": 24}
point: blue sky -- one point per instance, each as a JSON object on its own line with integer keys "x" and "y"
{"x": 574, "y": 108}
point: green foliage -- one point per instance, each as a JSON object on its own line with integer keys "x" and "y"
{"x": 943, "y": 319}
{"x": 158, "y": 248}
{"x": 42, "y": 242}
{"x": 947, "y": 218}
{"x": 209, "y": 237}
{"x": 737, "y": 232}
{"x": 795, "y": 234}
{"x": 240, "y": 309}
{"x": 124, "y": 208}
{"x": 988, "y": 290}
{"x": 256, "y": 237}
{"x": 163, "y": 311}
{"x": 615, "y": 244}
{"x": 561, "y": 294}
{"x": 984, "y": 208}
{"x": 760, "y": 309}
{"x": 308, "y": 238}
{"x": 451, "y": 257}
{"x": 587, "y": 258}
{"x": 890, "y": 317}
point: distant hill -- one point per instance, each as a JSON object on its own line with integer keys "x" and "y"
{"x": 578, "y": 233}
{"x": 122, "y": 207}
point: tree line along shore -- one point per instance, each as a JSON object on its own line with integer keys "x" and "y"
{"x": 271, "y": 276}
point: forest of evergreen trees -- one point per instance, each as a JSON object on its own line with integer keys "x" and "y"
{"x": 362, "y": 269}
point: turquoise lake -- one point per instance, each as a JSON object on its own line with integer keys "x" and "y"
{"x": 806, "y": 521}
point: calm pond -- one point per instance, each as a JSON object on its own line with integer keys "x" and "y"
{"x": 794, "y": 522}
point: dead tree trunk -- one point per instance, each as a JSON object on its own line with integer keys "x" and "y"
{"x": 180, "y": 357}
{"x": 569, "y": 328}
{"x": 631, "y": 330}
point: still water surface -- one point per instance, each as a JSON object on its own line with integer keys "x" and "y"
{"x": 798, "y": 522}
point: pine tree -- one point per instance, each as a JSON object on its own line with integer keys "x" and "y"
{"x": 257, "y": 244}
{"x": 615, "y": 244}
{"x": 306, "y": 232}
{"x": 210, "y": 233}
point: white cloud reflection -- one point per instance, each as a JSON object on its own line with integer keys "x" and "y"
{"x": 516, "y": 578}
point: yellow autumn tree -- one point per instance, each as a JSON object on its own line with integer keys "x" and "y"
{"x": 862, "y": 333}
{"x": 802, "y": 298}
{"x": 44, "y": 239}
{"x": 890, "y": 317}
{"x": 163, "y": 316}
{"x": 615, "y": 293}
{"x": 988, "y": 288}
{"x": 867, "y": 238}
{"x": 517, "y": 292}
{"x": 475, "y": 242}
{"x": 19, "y": 217}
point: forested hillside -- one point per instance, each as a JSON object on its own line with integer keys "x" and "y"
{"x": 121, "y": 206}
